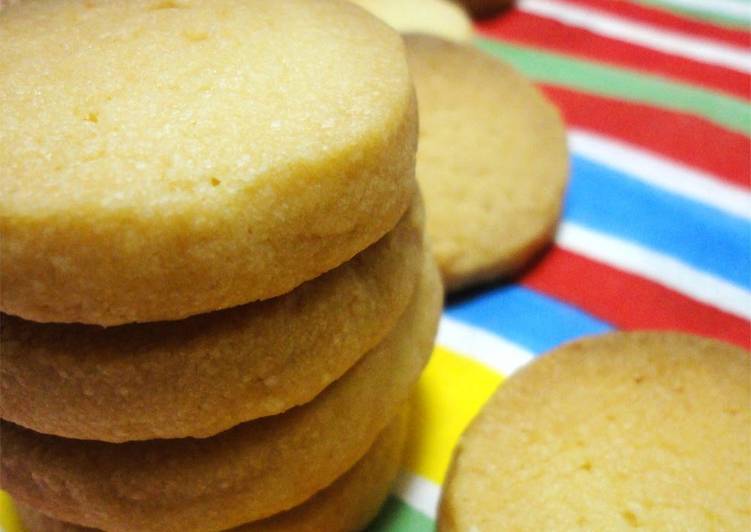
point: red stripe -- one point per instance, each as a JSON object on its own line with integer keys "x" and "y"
{"x": 667, "y": 20}
{"x": 679, "y": 136}
{"x": 541, "y": 32}
{"x": 629, "y": 301}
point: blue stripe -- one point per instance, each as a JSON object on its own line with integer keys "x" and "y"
{"x": 528, "y": 318}
{"x": 612, "y": 202}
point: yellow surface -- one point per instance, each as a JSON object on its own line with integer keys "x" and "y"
{"x": 8, "y": 519}
{"x": 449, "y": 394}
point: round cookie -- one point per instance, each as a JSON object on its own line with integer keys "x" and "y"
{"x": 205, "y": 374}
{"x": 485, "y": 8}
{"x": 350, "y": 503}
{"x": 492, "y": 162}
{"x": 443, "y": 18}
{"x": 244, "y": 474}
{"x": 165, "y": 158}
{"x": 627, "y": 430}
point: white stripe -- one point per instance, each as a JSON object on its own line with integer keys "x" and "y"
{"x": 697, "y": 48}
{"x": 729, "y": 8}
{"x": 420, "y": 493}
{"x": 482, "y": 346}
{"x": 661, "y": 172}
{"x": 655, "y": 266}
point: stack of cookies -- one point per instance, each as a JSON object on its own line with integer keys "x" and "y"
{"x": 216, "y": 291}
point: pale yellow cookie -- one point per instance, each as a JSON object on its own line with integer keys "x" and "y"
{"x": 164, "y": 158}
{"x": 207, "y": 373}
{"x": 347, "y": 505}
{"x": 492, "y": 161}
{"x": 643, "y": 430}
{"x": 443, "y": 18}
{"x": 244, "y": 474}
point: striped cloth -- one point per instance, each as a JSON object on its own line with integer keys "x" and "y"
{"x": 656, "y": 231}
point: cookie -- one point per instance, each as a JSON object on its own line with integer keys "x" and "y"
{"x": 492, "y": 162}
{"x": 350, "y": 503}
{"x": 627, "y": 430}
{"x": 485, "y": 8}
{"x": 244, "y": 474}
{"x": 205, "y": 374}
{"x": 443, "y": 18}
{"x": 165, "y": 158}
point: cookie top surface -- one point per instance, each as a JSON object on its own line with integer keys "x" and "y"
{"x": 193, "y": 142}
{"x": 243, "y": 474}
{"x": 643, "y": 429}
{"x": 444, "y": 18}
{"x": 169, "y": 105}
{"x": 492, "y": 161}
{"x": 208, "y": 373}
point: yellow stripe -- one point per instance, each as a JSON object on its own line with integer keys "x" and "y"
{"x": 8, "y": 519}
{"x": 449, "y": 394}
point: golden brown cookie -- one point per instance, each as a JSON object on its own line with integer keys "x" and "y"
{"x": 244, "y": 474}
{"x": 207, "y": 373}
{"x": 165, "y": 158}
{"x": 348, "y": 504}
{"x": 492, "y": 162}
{"x": 648, "y": 430}
{"x": 443, "y": 18}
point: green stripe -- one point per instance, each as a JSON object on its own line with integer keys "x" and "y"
{"x": 700, "y": 14}
{"x": 398, "y": 516}
{"x": 624, "y": 84}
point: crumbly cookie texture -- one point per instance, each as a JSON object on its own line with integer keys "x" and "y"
{"x": 492, "y": 161}
{"x": 208, "y": 373}
{"x": 350, "y": 503}
{"x": 247, "y": 473}
{"x": 645, "y": 430}
{"x": 164, "y": 158}
{"x": 443, "y": 18}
